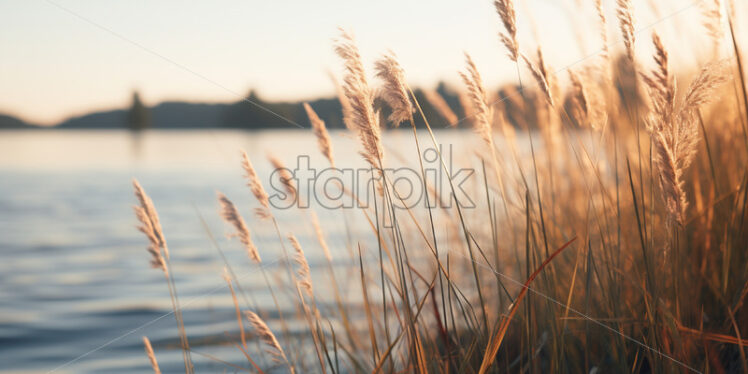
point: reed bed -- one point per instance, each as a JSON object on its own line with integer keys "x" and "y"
{"x": 617, "y": 244}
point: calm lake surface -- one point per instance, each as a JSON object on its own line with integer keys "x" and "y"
{"x": 76, "y": 291}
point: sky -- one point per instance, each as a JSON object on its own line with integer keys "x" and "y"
{"x": 62, "y": 58}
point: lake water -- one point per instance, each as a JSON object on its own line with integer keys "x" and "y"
{"x": 76, "y": 291}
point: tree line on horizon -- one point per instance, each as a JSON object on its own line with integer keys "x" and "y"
{"x": 516, "y": 106}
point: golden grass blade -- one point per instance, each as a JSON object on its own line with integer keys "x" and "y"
{"x": 495, "y": 342}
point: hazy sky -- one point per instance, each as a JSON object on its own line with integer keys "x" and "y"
{"x": 56, "y": 63}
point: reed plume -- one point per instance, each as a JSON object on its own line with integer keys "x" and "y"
{"x": 541, "y": 78}
{"x": 579, "y": 102}
{"x": 661, "y": 83}
{"x": 345, "y": 105}
{"x": 231, "y": 215}
{"x": 274, "y": 348}
{"x": 320, "y": 131}
{"x": 699, "y": 93}
{"x": 625, "y": 14}
{"x": 713, "y": 21}
{"x": 253, "y": 181}
{"x": 477, "y": 94}
{"x": 150, "y": 226}
{"x": 731, "y": 9}
{"x": 151, "y": 355}
{"x": 285, "y": 176}
{"x": 437, "y": 102}
{"x": 359, "y": 96}
{"x": 395, "y": 90}
{"x": 603, "y": 24}
{"x": 676, "y": 136}
{"x": 303, "y": 272}
{"x": 662, "y": 92}
{"x": 505, "y": 9}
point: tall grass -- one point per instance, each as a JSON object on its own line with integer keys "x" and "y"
{"x": 617, "y": 245}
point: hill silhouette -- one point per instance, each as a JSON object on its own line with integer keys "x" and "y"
{"x": 13, "y": 123}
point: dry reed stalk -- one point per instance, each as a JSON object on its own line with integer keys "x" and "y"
{"x": 395, "y": 90}
{"x": 482, "y": 120}
{"x": 242, "y": 334}
{"x": 477, "y": 94}
{"x": 321, "y": 237}
{"x": 320, "y": 131}
{"x": 253, "y": 181}
{"x": 151, "y": 355}
{"x": 356, "y": 89}
{"x": 625, "y": 14}
{"x": 541, "y": 78}
{"x": 505, "y": 9}
{"x": 437, "y": 101}
{"x": 231, "y": 215}
{"x": 267, "y": 336}
{"x": 303, "y": 272}
{"x": 285, "y": 176}
{"x": 151, "y": 227}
